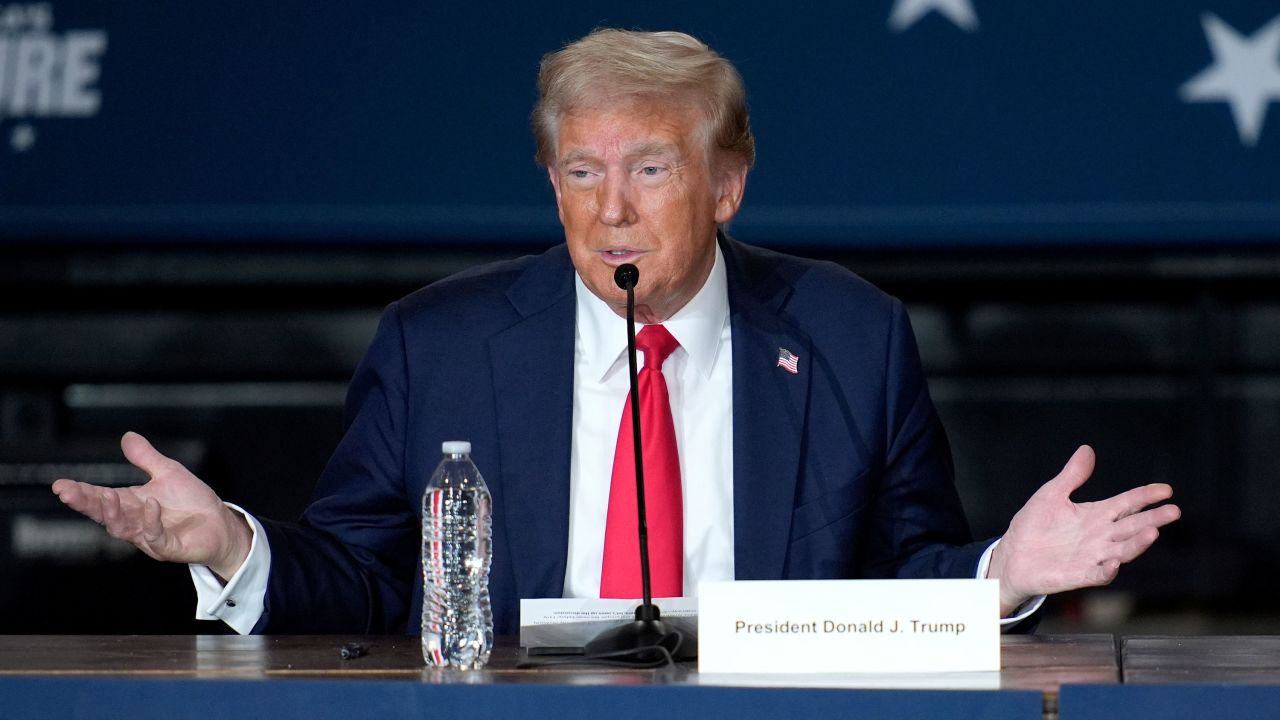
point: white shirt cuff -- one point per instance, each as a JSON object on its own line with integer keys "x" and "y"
{"x": 239, "y": 603}
{"x": 1023, "y": 611}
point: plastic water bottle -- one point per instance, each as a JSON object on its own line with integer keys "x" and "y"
{"x": 457, "y": 619}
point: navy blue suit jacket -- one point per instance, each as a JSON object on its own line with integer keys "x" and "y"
{"x": 841, "y": 470}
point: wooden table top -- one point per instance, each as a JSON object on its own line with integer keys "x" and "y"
{"x": 1235, "y": 660}
{"x": 1031, "y": 662}
{"x": 1037, "y": 663}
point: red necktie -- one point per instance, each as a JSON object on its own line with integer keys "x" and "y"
{"x": 664, "y": 510}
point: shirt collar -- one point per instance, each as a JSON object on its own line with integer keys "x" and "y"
{"x": 602, "y": 333}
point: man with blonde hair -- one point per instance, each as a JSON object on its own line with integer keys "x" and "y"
{"x": 796, "y": 442}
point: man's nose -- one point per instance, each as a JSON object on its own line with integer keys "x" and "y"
{"x": 615, "y": 201}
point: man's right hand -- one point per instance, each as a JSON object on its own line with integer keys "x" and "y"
{"x": 173, "y": 517}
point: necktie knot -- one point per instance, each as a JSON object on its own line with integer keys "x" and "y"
{"x": 657, "y": 344}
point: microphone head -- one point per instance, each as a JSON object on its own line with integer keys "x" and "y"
{"x": 626, "y": 276}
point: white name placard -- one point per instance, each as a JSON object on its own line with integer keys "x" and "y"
{"x": 846, "y": 626}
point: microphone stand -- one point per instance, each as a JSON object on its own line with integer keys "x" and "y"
{"x": 645, "y": 639}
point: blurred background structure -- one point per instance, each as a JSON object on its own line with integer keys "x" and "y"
{"x": 203, "y": 209}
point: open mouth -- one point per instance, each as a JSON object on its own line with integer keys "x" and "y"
{"x": 617, "y": 257}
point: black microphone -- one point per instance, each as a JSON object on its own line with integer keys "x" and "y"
{"x": 647, "y": 640}
{"x": 626, "y": 276}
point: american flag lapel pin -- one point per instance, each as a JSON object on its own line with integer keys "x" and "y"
{"x": 788, "y": 361}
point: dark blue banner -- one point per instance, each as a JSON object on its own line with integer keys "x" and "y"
{"x": 878, "y": 123}
{"x": 482, "y": 697}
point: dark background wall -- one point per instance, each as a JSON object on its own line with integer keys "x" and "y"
{"x": 203, "y": 210}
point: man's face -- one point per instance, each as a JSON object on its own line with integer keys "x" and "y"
{"x": 633, "y": 185}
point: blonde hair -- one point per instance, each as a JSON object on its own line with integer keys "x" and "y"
{"x": 614, "y": 65}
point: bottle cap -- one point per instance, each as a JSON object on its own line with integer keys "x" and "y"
{"x": 456, "y": 447}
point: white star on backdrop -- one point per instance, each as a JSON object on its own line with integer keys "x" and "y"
{"x": 1245, "y": 73}
{"x": 906, "y": 13}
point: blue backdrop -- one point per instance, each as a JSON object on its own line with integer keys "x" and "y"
{"x": 883, "y": 122}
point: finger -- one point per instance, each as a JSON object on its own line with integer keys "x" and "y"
{"x": 139, "y": 451}
{"x": 1114, "y": 554}
{"x": 1078, "y": 469}
{"x": 1131, "y": 501}
{"x": 110, "y": 503}
{"x": 1127, "y": 527}
{"x": 81, "y": 497}
{"x": 1130, "y": 549}
{"x": 68, "y": 491}
{"x": 1106, "y": 572}
{"x": 152, "y": 529}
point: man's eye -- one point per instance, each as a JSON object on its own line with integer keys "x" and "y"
{"x": 651, "y": 170}
{"x": 579, "y": 173}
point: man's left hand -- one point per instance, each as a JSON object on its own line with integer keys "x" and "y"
{"x": 1054, "y": 544}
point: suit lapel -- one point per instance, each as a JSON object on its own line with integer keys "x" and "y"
{"x": 769, "y": 412}
{"x": 533, "y": 386}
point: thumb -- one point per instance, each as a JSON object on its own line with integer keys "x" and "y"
{"x": 143, "y": 454}
{"x": 1074, "y": 473}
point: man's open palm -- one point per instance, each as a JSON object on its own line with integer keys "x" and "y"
{"x": 1054, "y": 544}
{"x": 174, "y": 516}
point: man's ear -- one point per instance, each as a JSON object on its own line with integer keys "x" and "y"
{"x": 731, "y": 186}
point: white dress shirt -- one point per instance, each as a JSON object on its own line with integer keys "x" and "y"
{"x": 699, "y": 377}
